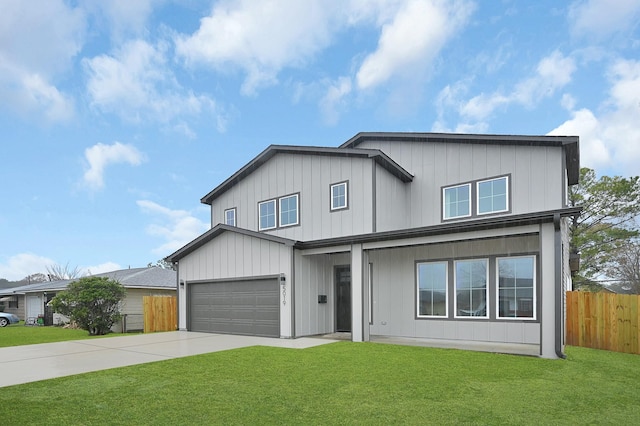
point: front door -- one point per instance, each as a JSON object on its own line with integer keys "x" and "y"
{"x": 343, "y": 298}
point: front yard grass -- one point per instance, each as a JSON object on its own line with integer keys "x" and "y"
{"x": 341, "y": 383}
{"x": 19, "y": 334}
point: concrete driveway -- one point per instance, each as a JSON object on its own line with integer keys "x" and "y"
{"x": 24, "y": 364}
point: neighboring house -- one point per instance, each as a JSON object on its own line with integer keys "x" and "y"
{"x": 454, "y": 239}
{"x": 30, "y": 301}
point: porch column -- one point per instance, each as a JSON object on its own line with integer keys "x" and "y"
{"x": 357, "y": 325}
{"x": 548, "y": 291}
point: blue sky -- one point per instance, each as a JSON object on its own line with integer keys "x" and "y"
{"x": 118, "y": 116}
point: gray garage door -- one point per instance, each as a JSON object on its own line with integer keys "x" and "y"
{"x": 248, "y": 307}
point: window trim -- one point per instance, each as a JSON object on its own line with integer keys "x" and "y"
{"x": 332, "y": 207}
{"x": 275, "y": 212}
{"x": 446, "y": 289}
{"x": 534, "y": 289}
{"x": 232, "y": 209}
{"x": 508, "y": 199}
{"x": 487, "y": 285}
{"x": 444, "y": 201}
{"x": 279, "y": 211}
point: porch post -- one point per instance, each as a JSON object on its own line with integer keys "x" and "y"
{"x": 356, "y": 293}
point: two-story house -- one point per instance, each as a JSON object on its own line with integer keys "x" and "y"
{"x": 453, "y": 239}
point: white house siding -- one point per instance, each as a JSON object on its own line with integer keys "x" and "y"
{"x": 233, "y": 255}
{"x": 314, "y": 276}
{"x": 311, "y": 177}
{"x": 394, "y": 292}
{"x": 537, "y": 178}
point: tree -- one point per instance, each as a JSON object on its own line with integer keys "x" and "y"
{"x": 162, "y": 263}
{"x": 92, "y": 302}
{"x": 610, "y": 206}
{"x": 57, "y": 272}
{"x": 627, "y": 268}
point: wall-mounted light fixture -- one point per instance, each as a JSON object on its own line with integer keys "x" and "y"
{"x": 181, "y": 283}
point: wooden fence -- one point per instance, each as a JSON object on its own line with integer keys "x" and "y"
{"x": 160, "y": 313}
{"x": 603, "y": 321}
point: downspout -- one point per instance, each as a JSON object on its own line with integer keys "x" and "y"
{"x": 558, "y": 284}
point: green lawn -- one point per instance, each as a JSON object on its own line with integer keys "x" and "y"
{"x": 341, "y": 383}
{"x": 19, "y": 334}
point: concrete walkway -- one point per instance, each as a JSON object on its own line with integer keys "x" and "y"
{"x": 31, "y": 363}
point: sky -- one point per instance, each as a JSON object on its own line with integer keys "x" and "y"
{"x": 118, "y": 116}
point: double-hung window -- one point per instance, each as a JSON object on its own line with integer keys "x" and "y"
{"x": 516, "y": 287}
{"x": 230, "y": 217}
{"x": 457, "y": 201}
{"x": 289, "y": 210}
{"x": 471, "y": 278}
{"x": 432, "y": 289}
{"x": 339, "y": 195}
{"x": 493, "y": 196}
{"x": 267, "y": 215}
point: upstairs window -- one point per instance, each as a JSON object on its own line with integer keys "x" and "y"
{"x": 493, "y": 195}
{"x": 267, "y": 215}
{"x": 289, "y": 210}
{"x": 339, "y": 196}
{"x": 230, "y": 217}
{"x": 457, "y": 201}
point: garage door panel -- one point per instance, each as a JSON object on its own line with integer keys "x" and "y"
{"x": 248, "y": 307}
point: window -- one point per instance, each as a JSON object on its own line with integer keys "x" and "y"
{"x": 289, "y": 210}
{"x": 230, "y": 217}
{"x": 457, "y": 201}
{"x": 516, "y": 287}
{"x": 471, "y": 288}
{"x": 267, "y": 215}
{"x": 432, "y": 289}
{"x": 13, "y": 303}
{"x": 492, "y": 196}
{"x": 339, "y": 196}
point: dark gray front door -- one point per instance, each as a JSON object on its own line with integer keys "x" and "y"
{"x": 249, "y": 307}
{"x": 343, "y": 298}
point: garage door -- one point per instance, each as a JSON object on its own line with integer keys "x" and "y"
{"x": 248, "y": 307}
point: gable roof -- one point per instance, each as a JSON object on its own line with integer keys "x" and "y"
{"x": 149, "y": 278}
{"x": 215, "y": 232}
{"x": 569, "y": 143}
{"x": 374, "y": 154}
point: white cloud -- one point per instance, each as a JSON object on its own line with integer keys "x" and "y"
{"x": 409, "y": 43}
{"x": 610, "y": 140}
{"x": 103, "y": 267}
{"x": 100, "y": 156}
{"x": 38, "y": 41}
{"x": 600, "y": 18}
{"x": 552, "y": 73}
{"x": 125, "y": 17}
{"x": 334, "y": 99}
{"x": 21, "y": 265}
{"x": 137, "y": 84}
{"x": 176, "y": 227}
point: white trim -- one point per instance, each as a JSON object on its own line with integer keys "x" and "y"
{"x": 446, "y": 289}
{"x": 275, "y": 213}
{"x": 535, "y": 288}
{"x": 346, "y": 195}
{"x": 444, "y": 201}
{"x": 486, "y": 289}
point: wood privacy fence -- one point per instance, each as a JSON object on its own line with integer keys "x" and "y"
{"x": 160, "y": 313}
{"x": 603, "y": 321}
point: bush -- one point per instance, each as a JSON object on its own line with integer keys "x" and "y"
{"x": 92, "y": 302}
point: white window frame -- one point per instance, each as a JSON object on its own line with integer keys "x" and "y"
{"x": 486, "y": 289}
{"x": 346, "y": 196}
{"x": 275, "y": 212}
{"x": 226, "y": 217}
{"x": 534, "y": 290}
{"x": 446, "y": 289}
{"x": 444, "y": 201}
{"x": 280, "y": 210}
{"x": 507, "y": 201}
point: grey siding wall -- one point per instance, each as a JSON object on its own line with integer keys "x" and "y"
{"x": 311, "y": 177}
{"x": 394, "y": 293}
{"x": 537, "y": 178}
